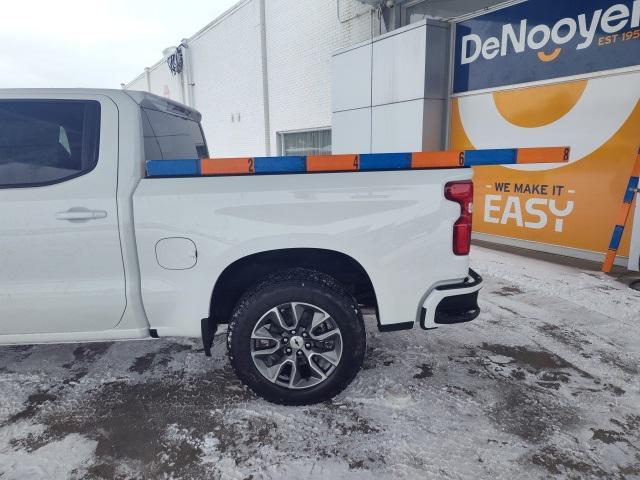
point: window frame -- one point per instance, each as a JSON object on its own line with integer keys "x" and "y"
{"x": 403, "y": 12}
{"x": 97, "y": 140}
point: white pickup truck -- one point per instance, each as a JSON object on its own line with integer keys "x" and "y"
{"x": 93, "y": 250}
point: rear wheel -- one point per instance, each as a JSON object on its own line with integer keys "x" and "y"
{"x": 297, "y": 338}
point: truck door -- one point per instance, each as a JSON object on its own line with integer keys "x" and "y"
{"x": 61, "y": 266}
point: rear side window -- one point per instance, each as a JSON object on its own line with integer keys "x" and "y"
{"x": 170, "y": 137}
{"x": 43, "y": 142}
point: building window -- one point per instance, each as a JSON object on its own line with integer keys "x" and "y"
{"x": 308, "y": 142}
{"x": 417, "y": 10}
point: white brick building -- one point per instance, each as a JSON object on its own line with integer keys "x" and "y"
{"x": 227, "y": 64}
{"x": 260, "y": 74}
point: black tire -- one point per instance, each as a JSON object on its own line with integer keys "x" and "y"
{"x": 304, "y": 286}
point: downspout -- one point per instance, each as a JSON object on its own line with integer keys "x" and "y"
{"x": 265, "y": 78}
{"x": 147, "y": 74}
{"x": 183, "y": 94}
{"x": 188, "y": 74}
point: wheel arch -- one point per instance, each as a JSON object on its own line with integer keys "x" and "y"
{"x": 243, "y": 273}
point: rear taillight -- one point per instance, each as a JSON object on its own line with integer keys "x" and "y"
{"x": 461, "y": 193}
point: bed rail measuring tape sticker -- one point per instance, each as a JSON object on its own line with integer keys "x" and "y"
{"x": 353, "y": 163}
{"x": 623, "y": 216}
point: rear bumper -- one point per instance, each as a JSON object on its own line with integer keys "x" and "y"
{"x": 449, "y": 304}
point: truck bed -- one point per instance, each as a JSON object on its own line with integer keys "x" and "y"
{"x": 396, "y": 224}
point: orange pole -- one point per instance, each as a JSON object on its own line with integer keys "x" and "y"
{"x": 623, "y": 216}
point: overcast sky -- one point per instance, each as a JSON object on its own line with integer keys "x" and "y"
{"x": 92, "y": 43}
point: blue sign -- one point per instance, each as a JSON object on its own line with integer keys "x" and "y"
{"x": 545, "y": 39}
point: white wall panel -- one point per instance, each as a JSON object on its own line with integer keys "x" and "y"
{"x": 351, "y": 79}
{"x": 408, "y": 87}
{"x": 397, "y": 127}
{"x": 399, "y": 66}
{"x": 352, "y": 131}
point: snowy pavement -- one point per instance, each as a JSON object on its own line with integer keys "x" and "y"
{"x": 545, "y": 383}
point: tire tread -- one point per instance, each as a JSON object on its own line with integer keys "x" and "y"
{"x": 300, "y": 277}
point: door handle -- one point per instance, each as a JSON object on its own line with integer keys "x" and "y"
{"x": 81, "y": 215}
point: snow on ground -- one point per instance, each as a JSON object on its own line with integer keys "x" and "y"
{"x": 544, "y": 384}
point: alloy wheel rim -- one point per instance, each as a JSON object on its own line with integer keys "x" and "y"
{"x": 296, "y": 345}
